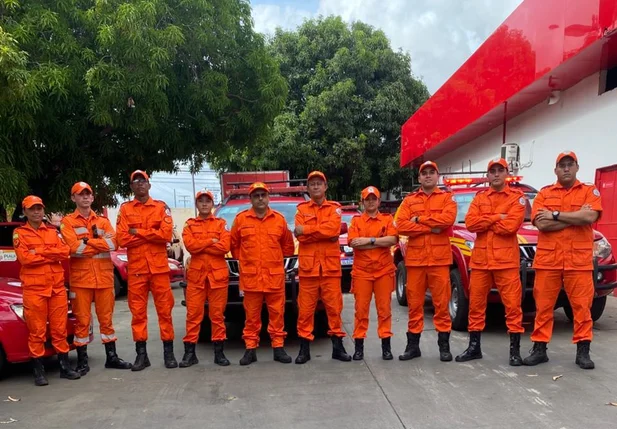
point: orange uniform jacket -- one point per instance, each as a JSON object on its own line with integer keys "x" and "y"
{"x": 572, "y": 247}
{"x": 146, "y": 250}
{"x": 91, "y": 265}
{"x": 319, "y": 251}
{"x": 372, "y": 263}
{"x": 207, "y": 258}
{"x": 260, "y": 246}
{"x": 496, "y": 246}
{"x": 42, "y": 270}
{"x": 437, "y": 210}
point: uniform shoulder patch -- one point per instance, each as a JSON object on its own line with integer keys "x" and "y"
{"x": 521, "y": 201}
{"x": 596, "y": 192}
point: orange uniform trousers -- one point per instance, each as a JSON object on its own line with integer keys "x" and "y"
{"x": 40, "y": 309}
{"x": 363, "y": 290}
{"x": 104, "y": 302}
{"x": 196, "y": 297}
{"x": 579, "y": 288}
{"x": 311, "y": 290}
{"x": 437, "y": 279}
{"x": 253, "y": 303}
{"x": 508, "y": 284}
{"x": 138, "y": 287}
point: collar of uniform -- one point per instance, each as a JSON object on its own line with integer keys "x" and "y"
{"x": 77, "y": 214}
{"x": 150, "y": 202}
{"x": 251, "y": 212}
{"x": 437, "y": 190}
{"x": 576, "y": 183}
{"x": 313, "y": 203}
{"x": 505, "y": 190}
{"x": 204, "y": 219}
{"x": 366, "y": 217}
{"x": 43, "y": 226}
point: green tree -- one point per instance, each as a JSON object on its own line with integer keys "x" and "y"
{"x": 93, "y": 89}
{"x": 349, "y": 94}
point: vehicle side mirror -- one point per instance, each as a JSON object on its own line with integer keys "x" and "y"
{"x": 344, "y": 228}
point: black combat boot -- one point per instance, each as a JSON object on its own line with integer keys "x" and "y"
{"x": 515, "y": 350}
{"x": 39, "y": 373}
{"x": 250, "y": 356}
{"x": 305, "y": 351}
{"x": 113, "y": 361}
{"x": 141, "y": 361}
{"x": 280, "y": 355}
{"x": 189, "y": 358}
{"x": 538, "y": 355}
{"x": 82, "y": 360}
{"x": 582, "y": 355}
{"x": 413, "y": 347}
{"x": 386, "y": 349}
{"x": 474, "y": 350}
{"x": 65, "y": 367}
{"x": 443, "y": 341}
{"x": 219, "y": 356}
{"x": 168, "y": 355}
{"x": 359, "y": 349}
{"x": 338, "y": 350}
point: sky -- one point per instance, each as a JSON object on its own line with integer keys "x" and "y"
{"x": 438, "y": 34}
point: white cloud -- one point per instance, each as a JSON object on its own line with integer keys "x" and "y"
{"x": 439, "y": 34}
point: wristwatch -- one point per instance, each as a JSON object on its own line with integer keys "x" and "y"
{"x": 372, "y": 241}
{"x": 556, "y": 215}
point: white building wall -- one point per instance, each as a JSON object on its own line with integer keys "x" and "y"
{"x": 582, "y": 121}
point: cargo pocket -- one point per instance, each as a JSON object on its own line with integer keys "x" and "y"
{"x": 478, "y": 254}
{"x": 582, "y": 254}
{"x": 545, "y": 254}
{"x": 220, "y": 275}
{"x": 306, "y": 263}
{"x": 503, "y": 251}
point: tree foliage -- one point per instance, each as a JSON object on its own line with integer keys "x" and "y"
{"x": 349, "y": 94}
{"x": 93, "y": 89}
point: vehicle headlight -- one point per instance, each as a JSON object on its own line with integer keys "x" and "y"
{"x": 172, "y": 266}
{"x": 602, "y": 248}
{"x": 18, "y": 310}
{"x": 123, "y": 258}
{"x": 469, "y": 244}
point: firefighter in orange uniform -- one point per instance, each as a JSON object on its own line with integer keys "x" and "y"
{"x": 40, "y": 252}
{"x": 207, "y": 240}
{"x": 371, "y": 235}
{"x": 563, "y": 214}
{"x": 91, "y": 238}
{"x": 144, "y": 227}
{"x": 426, "y": 218}
{"x": 260, "y": 240}
{"x": 318, "y": 226}
{"x": 495, "y": 215}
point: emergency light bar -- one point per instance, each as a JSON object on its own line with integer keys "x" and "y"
{"x": 478, "y": 180}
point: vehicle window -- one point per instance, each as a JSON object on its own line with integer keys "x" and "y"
{"x": 346, "y": 217}
{"x": 463, "y": 201}
{"x": 6, "y": 235}
{"x": 287, "y": 209}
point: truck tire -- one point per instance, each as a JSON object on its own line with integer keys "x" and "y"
{"x": 597, "y": 308}
{"x": 401, "y": 284}
{"x": 459, "y": 304}
{"x": 3, "y": 361}
{"x": 118, "y": 286}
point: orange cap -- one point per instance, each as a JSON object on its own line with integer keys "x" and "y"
{"x": 497, "y": 161}
{"x": 566, "y": 154}
{"x": 316, "y": 174}
{"x": 370, "y": 190}
{"x": 258, "y": 185}
{"x": 428, "y": 164}
{"x": 31, "y": 200}
{"x": 204, "y": 192}
{"x": 79, "y": 187}
{"x": 140, "y": 173}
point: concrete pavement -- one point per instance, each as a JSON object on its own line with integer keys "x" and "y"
{"x": 422, "y": 393}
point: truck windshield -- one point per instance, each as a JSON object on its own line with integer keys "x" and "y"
{"x": 287, "y": 209}
{"x": 463, "y": 200}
